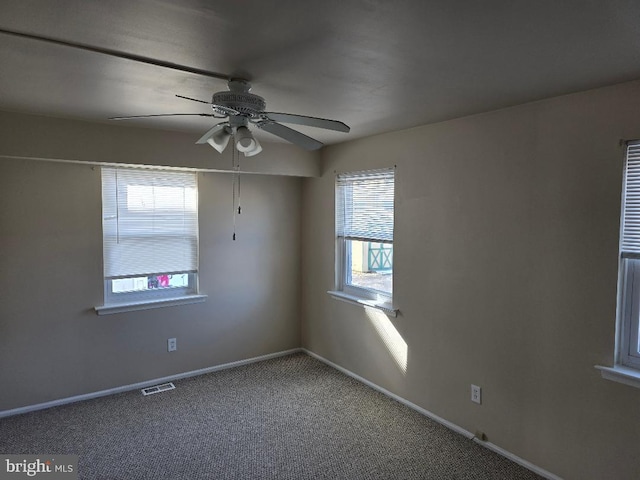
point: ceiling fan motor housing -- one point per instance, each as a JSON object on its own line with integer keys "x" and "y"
{"x": 239, "y": 99}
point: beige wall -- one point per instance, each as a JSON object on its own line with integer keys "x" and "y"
{"x": 53, "y": 345}
{"x": 505, "y": 255}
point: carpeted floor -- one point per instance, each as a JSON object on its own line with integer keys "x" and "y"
{"x": 288, "y": 418}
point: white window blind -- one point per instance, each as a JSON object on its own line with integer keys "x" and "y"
{"x": 630, "y": 241}
{"x": 150, "y": 222}
{"x": 364, "y": 205}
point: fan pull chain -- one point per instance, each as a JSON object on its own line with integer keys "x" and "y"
{"x": 239, "y": 207}
{"x": 233, "y": 185}
{"x": 235, "y": 165}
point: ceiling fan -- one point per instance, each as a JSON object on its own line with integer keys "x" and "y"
{"x": 236, "y": 105}
{"x": 240, "y": 108}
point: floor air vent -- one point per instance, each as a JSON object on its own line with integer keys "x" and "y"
{"x": 158, "y": 388}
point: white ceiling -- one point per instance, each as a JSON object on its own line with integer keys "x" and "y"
{"x": 377, "y": 65}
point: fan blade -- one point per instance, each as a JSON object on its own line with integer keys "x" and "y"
{"x": 193, "y": 99}
{"x": 290, "y": 135}
{"x": 165, "y": 115}
{"x": 308, "y": 121}
{"x": 225, "y": 111}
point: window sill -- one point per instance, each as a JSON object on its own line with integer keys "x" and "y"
{"x": 385, "y": 307}
{"x": 149, "y": 304}
{"x": 626, "y": 375}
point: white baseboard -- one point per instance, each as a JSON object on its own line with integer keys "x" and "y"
{"x": 433, "y": 416}
{"x": 518, "y": 460}
{"x": 148, "y": 383}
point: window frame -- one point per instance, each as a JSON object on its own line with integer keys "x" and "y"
{"x": 626, "y": 367}
{"x": 344, "y": 272}
{"x": 116, "y": 302}
{"x": 628, "y": 323}
{"x": 150, "y": 295}
{"x": 343, "y": 288}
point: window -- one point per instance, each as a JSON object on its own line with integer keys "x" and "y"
{"x": 150, "y": 235}
{"x": 364, "y": 231}
{"x": 629, "y": 312}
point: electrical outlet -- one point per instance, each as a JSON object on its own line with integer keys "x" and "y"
{"x": 476, "y": 394}
{"x": 172, "y": 345}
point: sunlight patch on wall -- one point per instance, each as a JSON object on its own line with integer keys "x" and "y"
{"x": 394, "y": 342}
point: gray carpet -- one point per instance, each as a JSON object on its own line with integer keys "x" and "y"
{"x": 288, "y": 418}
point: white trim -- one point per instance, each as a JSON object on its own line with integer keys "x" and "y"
{"x": 150, "y": 295}
{"x": 433, "y": 416}
{"x": 140, "y": 385}
{"x": 620, "y": 374}
{"x": 149, "y": 304}
{"x": 364, "y": 302}
{"x": 518, "y": 460}
{"x": 409, "y": 404}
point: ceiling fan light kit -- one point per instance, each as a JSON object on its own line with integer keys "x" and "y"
{"x": 244, "y": 140}
{"x": 218, "y": 137}
{"x": 240, "y": 107}
{"x": 246, "y": 143}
